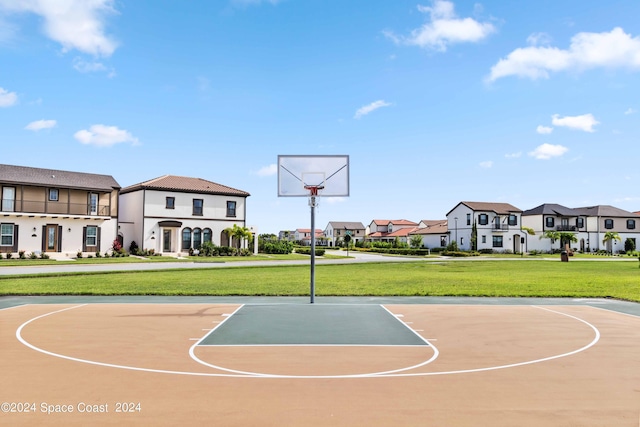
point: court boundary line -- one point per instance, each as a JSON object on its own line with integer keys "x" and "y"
{"x": 392, "y": 375}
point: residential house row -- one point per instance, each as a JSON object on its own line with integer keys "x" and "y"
{"x": 501, "y": 227}
{"x": 62, "y": 212}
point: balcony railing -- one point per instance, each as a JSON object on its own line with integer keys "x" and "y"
{"x": 500, "y": 227}
{"x": 54, "y": 208}
{"x": 566, "y": 228}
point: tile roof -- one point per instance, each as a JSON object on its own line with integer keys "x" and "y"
{"x": 436, "y": 229}
{"x": 551, "y": 209}
{"x": 347, "y": 224}
{"x": 56, "y": 178}
{"x": 604, "y": 210}
{"x": 185, "y": 185}
{"x": 499, "y": 208}
{"x": 400, "y": 232}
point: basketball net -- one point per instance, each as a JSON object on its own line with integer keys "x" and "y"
{"x": 313, "y": 193}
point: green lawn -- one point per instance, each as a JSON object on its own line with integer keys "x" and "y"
{"x": 537, "y": 278}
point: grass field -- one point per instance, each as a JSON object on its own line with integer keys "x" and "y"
{"x": 511, "y": 278}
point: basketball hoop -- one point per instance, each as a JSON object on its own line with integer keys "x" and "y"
{"x": 313, "y": 193}
{"x": 313, "y": 189}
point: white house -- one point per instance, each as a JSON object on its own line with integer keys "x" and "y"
{"x": 384, "y": 230}
{"x": 434, "y": 233}
{"x": 57, "y": 212}
{"x": 497, "y": 225}
{"x": 172, "y": 214}
{"x": 335, "y": 231}
{"x": 303, "y": 236}
{"x": 588, "y": 224}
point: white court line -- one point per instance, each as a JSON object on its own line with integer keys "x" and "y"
{"x": 364, "y": 375}
{"x": 388, "y": 374}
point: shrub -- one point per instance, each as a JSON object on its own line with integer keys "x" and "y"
{"x": 307, "y": 251}
{"x": 277, "y": 247}
{"x": 208, "y": 249}
{"x": 33, "y": 255}
{"x": 8, "y": 255}
{"x": 44, "y": 256}
{"x": 629, "y": 245}
{"x": 21, "y": 255}
{"x": 79, "y": 255}
{"x": 133, "y": 248}
{"x": 98, "y": 254}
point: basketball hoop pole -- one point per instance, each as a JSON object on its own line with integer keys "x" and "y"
{"x": 313, "y": 193}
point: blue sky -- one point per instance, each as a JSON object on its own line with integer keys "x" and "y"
{"x": 435, "y": 102}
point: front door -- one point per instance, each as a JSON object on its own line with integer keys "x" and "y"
{"x": 166, "y": 240}
{"x": 51, "y": 238}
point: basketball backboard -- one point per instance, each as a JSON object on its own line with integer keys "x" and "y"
{"x": 329, "y": 175}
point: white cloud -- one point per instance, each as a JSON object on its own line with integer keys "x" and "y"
{"x": 513, "y": 155}
{"x": 41, "y": 124}
{"x": 88, "y": 67}
{"x": 630, "y": 111}
{"x": 363, "y": 111}
{"x": 444, "y": 28}
{"x": 104, "y": 136}
{"x": 486, "y": 165}
{"x": 547, "y": 151}
{"x": 75, "y": 24}
{"x": 585, "y": 122}
{"x": 7, "y": 99}
{"x": 544, "y": 130}
{"x": 615, "y": 49}
{"x": 537, "y": 39}
{"x": 269, "y": 170}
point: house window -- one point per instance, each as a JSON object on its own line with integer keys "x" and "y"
{"x": 483, "y": 219}
{"x": 53, "y": 194}
{"x": 93, "y": 204}
{"x": 549, "y": 222}
{"x": 631, "y": 224}
{"x": 443, "y": 241}
{"x": 206, "y": 235}
{"x": 231, "y": 208}
{"x": 186, "y": 239}
{"x": 6, "y": 234}
{"x": 468, "y": 219}
{"x": 580, "y": 222}
{"x": 197, "y": 206}
{"x": 170, "y": 203}
{"x": 197, "y": 238}
{"x": 462, "y": 241}
{"x": 92, "y": 236}
{"x": 497, "y": 241}
{"x": 8, "y": 199}
{"x": 608, "y": 224}
{"x": 484, "y": 239}
{"x": 513, "y": 220}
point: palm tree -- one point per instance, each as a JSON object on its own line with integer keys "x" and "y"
{"x": 609, "y": 238}
{"x": 239, "y": 233}
{"x": 562, "y": 236}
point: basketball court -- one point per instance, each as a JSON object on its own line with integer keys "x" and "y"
{"x": 338, "y": 362}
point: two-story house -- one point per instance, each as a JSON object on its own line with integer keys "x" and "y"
{"x": 57, "y": 212}
{"x": 588, "y": 224}
{"x": 385, "y": 230}
{"x": 497, "y": 226}
{"x": 172, "y": 214}
{"x": 335, "y": 231}
{"x": 303, "y": 237}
